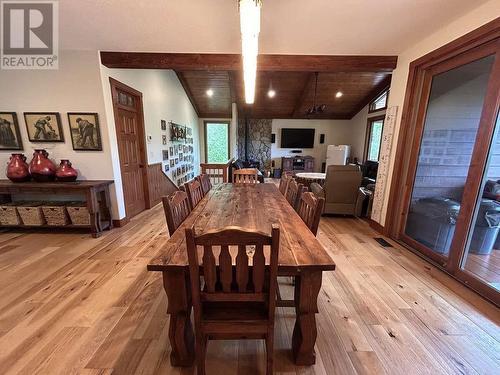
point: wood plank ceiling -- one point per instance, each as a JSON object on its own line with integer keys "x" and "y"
{"x": 359, "y": 78}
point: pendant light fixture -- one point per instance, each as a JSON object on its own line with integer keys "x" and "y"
{"x": 316, "y": 109}
{"x": 250, "y": 28}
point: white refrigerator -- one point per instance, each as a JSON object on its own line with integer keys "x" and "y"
{"x": 337, "y": 155}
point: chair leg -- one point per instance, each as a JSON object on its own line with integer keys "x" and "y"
{"x": 270, "y": 353}
{"x": 201, "y": 351}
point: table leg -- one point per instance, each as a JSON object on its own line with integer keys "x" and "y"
{"x": 307, "y": 287}
{"x": 93, "y": 207}
{"x": 177, "y": 287}
{"x": 105, "y": 207}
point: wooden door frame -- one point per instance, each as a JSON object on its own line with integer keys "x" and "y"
{"x": 418, "y": 87}
{"x": 205, "y": 122}
{"x": 117, "y": 85}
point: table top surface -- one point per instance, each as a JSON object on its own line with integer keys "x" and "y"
{"x": 51, "y": 185}
{"x": 251, "y": 206}
{"x": 312, "y": 175}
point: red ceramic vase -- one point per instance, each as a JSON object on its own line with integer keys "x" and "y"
{"x": 65, "y": 172}
{"x": 17, "y": 168}
{"x": 42, "y": 169}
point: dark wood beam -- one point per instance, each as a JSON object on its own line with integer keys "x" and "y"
{"x": 209, "y": 115}
{"x": 383, "y": 85}
{"x": 189, "y": 94}
{"x": 232, "y": 88}
{"x": 209, "y": 61}
{"x": 302, "y": 96}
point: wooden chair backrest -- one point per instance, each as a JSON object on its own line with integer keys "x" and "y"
{"x": 310, "y": 209}
{"x": 176, "y": 207}
{"x": 284, "y": 183}
{"x": 247, "y": 280}
{"x": 206, "y": 184}
{"x": 194, "y": 192}
{"x": 245, "y": 176}
{"x": 294, "y": 192}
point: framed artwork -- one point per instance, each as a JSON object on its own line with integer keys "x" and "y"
{"x": 163, "y": 125}
{"x": 165, "y": 154}
{"x": 171, "y": 151}
{"x": 167, "y": 168}
{"x": 164, "y": 140}
{"x": 172, "y": 163}
{"x": 85, "y": 131}
{"x": 10, "y": 136}
{"x": 44, "y": 126}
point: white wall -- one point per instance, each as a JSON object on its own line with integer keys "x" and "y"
{"x": 472, "y": 20}
{"x": 163, "y": 99}
{"x": 74, "y": 87}
{"x": 349, "y": 132}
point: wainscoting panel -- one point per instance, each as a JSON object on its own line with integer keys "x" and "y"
{"x": 159, "y": 184}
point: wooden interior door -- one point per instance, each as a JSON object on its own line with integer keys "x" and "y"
{"x": 130, "y": 135}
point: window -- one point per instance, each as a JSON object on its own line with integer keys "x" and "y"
{"x": 374, "y": 138}
{"x": 216, "y": 142}
{"x": 380, "y": 102}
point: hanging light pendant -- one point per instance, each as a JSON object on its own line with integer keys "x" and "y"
{"x": 250, "y": 28}
{"x": 316, "y": 109}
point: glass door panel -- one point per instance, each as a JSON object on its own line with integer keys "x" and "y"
{"x": 482, "y": 254}
{"x": 449, "y": 133}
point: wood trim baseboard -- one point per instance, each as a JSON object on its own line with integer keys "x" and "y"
{"x": 376, "y": 226}
{"x": 121, "y": 222}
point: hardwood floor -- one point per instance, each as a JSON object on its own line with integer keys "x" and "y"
{"x": 73, "y": 304}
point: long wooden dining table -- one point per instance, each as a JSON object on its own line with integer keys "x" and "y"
{"x": 256, "y": 207}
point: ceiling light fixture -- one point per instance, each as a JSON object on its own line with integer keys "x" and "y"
{"x": 210, "y": 92}
{"x": 250, "y": 28}
{"x": 271, "y": 93}
{"x": 316, "y": 109}
{"x": 339, "y": 94}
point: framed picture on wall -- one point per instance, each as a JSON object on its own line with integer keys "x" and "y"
{"x": 165, "y": 154}
{"x": 85, "y": 132}
{"x": 10, "y": 136}
{"x": 163, "y": 125}
{"x": 44, "y": 126}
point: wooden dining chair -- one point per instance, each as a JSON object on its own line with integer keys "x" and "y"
{"x": 284, "y": 183}
{"x": 194, "y": 192}
{"x": 176, "y": 207}
{"x": 206, "y": 184}
{"x": 294, "y": 192}
{"x": 310, "y": 208}
{"x": 237, "y": 297}
{"x": 245, "y": 176}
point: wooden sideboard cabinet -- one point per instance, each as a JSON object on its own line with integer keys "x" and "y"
{"x": 297, "y": 164}
{"x": 94, "y": 193}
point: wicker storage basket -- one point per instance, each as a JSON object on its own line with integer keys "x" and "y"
{"x": 31, "y": 213}
{"x": 9, "y": 214}
{"x": 78, "y": 213}
{"x": 55, "y": 213}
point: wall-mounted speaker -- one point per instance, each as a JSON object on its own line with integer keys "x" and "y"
{"x": 273, "y": 138}
{"x": 321, "y": 138}
{"x": 296, "y": 151}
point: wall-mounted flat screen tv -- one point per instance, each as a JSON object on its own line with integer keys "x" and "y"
{"x": 297, "y": 138}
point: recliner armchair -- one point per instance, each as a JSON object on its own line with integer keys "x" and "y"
{"x": 340, "y": 190}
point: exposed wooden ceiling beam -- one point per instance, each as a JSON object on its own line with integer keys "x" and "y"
{"x": 189, "y": 94}
{"x": 384, "y": 84}
{"x": 302, "y": 96}
{"x": 197, "y": 61}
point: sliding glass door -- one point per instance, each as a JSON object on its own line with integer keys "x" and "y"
{"x": 449, "y": 133}
{"x": 451, "y": 206}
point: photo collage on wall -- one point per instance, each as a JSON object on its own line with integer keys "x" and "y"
{"x": 178, "y": 159}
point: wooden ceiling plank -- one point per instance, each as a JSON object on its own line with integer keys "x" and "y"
{"x": 288, "y": 63}
{"x": 189, "y": 94}
{"x": 384, "y": 84}
{"x": 302, "y": 96}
